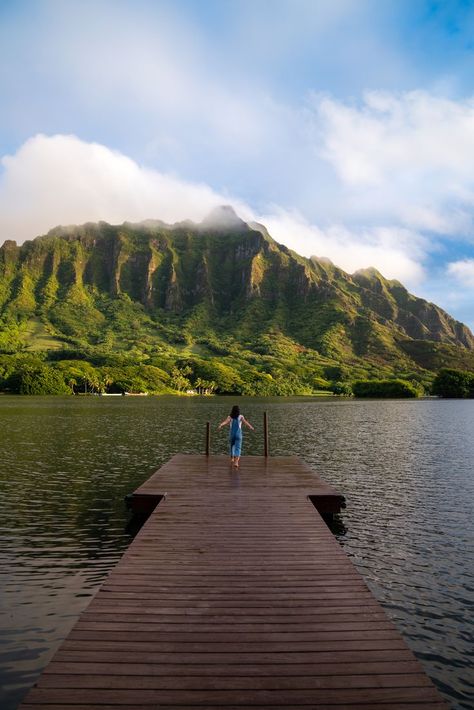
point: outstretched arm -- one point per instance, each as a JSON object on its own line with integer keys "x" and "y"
{"x": 226, "y": 421}
{"x": 247, "y": 424}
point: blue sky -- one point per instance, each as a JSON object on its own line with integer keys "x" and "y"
{"x": 346, "y": 126}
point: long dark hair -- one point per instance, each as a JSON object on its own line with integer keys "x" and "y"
{"x": 235, "y": 411}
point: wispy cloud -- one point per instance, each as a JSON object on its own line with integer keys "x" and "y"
{"x": 463, "y": 272}
{"x": 63, "y": 180}
{"x": 405, "y": 158}
{"x": 396, "y": 252}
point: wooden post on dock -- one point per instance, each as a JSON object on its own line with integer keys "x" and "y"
{"x": 265, "y": 434}
{"x": 208, "y": 438}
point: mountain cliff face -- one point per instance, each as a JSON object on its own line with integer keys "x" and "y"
{"x": 221, "y": 279}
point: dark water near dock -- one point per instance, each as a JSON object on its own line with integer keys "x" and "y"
{"x": 406, "y": 468}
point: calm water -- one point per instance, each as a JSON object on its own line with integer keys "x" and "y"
{"x": 406, "y": 468}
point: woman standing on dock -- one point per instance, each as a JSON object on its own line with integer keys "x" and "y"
{"x": 235, "y": 419}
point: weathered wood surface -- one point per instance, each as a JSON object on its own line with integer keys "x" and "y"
{"x": 259, "y": 472}
{"x": 234, "y": 594}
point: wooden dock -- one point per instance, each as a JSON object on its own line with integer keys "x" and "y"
{"x": 234, "y": 594}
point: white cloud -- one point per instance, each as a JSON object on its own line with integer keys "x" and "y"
{"x": 392, "y": 133}
{"x": 394, "y": 251}
{"x": 463, "y": 271}
{"x": 406, "y": 157}
{"x": 63, "y": 180}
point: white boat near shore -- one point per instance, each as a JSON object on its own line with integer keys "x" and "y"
{"x": 120, "y": 394}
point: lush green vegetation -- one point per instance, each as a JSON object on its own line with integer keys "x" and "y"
{"x": 450, "y": 382}
{"x": 171, "y": 370}
{"x": 384, "y": 388}
{"x": 435, "y": 356}
{"x": 34, "y": 377}
{"x": 149, "y": 308}
{"x": 26, "y": 373}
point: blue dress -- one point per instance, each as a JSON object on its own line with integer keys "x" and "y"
{"x": 235, "y": 436}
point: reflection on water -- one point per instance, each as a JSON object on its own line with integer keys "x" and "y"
{"x": 405, "y": 468}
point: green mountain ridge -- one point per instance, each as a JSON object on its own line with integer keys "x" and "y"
{"x": 174, "y": 295}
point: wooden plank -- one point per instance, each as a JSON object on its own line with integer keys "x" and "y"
{"x": 376, "y": 669}
{"x": 123, "y": 655}
{"x": 254, "y": 650}
{"x": 170, "y": 682}
{"x": 234, "y": 594}
{"x": 401, "y": 705}
{"x": 221, "y": 698}
{"x": 248, "y": 631}
{"x": 361, "y": 621}
{"x": 228, "y": 637}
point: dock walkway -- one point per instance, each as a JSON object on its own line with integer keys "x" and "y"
{"x": 234, "y": 594}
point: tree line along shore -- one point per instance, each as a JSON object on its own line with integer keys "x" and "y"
{"x": 38, "y": 374}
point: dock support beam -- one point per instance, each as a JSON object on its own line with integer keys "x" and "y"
{"x": 265, "y": 434}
